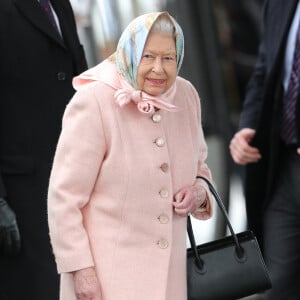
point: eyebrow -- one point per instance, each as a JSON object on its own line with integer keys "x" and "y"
{"x": 155, "y": 52}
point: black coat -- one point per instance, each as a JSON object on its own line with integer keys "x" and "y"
{"x": 36, "y": 70}
{"x": 263, "y": 106}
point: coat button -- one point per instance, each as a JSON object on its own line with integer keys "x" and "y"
{"x": 164, "y": 193}
{"x": 61, "y": 76}
{"x": 156, "y": 118}
{"x": 164, "y": 167}
{"x": 163, "y": 219}
{"x": 160, "y": 142}
{"x": 163, "y": 243}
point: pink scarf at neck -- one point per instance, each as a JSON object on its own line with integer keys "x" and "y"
{"x": 125, "y": 93}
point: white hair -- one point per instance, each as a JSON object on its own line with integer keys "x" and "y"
{"x": 163, "y": 24}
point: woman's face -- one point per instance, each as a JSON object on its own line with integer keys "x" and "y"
{"x": 158, "y": 67}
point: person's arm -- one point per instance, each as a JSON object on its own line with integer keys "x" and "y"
{"x": 196, "y": 199}
{"x": 253, "y": 102}
{"x": 78, "y": 158}
{"x": 241, "y": 148}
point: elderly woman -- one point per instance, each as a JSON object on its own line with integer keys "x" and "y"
{"x": 124, "y": 173}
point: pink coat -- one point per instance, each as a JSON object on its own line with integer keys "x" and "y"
{"x": 111, "y": 191}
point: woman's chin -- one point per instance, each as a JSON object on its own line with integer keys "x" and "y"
{"x": 155, "y": 90}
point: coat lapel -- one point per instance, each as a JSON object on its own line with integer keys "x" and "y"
{"x": 33, "y": 12}
{"x": 282, "y": 13}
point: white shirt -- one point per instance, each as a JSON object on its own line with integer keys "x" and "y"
{"x": 290, "y": 48}
{"x": 55, "y": 17}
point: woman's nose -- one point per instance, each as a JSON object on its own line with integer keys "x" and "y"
{"x": 157, "y": 66}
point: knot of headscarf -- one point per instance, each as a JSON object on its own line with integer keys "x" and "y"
{"x": 145, "y": 103}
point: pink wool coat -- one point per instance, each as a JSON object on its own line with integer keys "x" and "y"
{"x": 111, "y": 191}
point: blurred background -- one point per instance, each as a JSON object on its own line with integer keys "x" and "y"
{"x": 221, "y": 42}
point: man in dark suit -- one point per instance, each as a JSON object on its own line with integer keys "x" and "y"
{"x": 39, "y": 57}
{"x": 268, "y": 143}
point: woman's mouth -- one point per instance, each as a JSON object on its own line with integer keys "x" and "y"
{"x": 156, "y": 81}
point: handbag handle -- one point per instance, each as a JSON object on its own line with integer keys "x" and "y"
{"x": 239, "y": 249}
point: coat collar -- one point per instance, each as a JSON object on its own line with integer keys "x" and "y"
{"x": 32, "y": 11}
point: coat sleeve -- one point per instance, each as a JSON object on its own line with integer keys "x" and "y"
{"x": 253, "y": 103}
{"x": 202, "y": 169}
{"x": 79, "y": 154}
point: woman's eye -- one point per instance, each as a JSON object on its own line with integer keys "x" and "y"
{"x": 168, "y": 58}
{"x": 148, "y": 56}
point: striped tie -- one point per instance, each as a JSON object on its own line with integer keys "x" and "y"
{"x": 288, "y": 125}
{"x": 46, "y": 7}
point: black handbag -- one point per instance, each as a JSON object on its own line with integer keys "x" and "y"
{"x": 225, "y": 269}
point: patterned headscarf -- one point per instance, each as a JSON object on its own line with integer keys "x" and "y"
{"x": 132, "y": 42}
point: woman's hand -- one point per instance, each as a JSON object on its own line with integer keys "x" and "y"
{"x": 241, "y": 152}
{"x": 189, "y": 199}
{"x": 87, "y": 286}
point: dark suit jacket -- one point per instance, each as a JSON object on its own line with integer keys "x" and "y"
{"x": 262, "y": 108}
{"x": 36, "y": 70}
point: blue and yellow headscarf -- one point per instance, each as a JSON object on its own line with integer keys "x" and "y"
{"x": 132, "y": 42}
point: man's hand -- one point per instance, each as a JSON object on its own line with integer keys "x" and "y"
{"x": 241, "y": 152}
{"x": 10, "y": 242}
